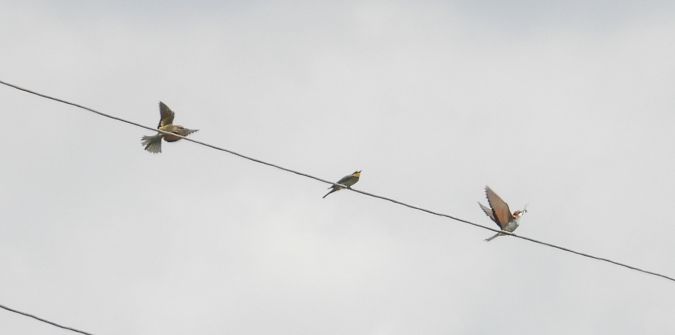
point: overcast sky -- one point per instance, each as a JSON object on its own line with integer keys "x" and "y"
{"x": 566, "y": 106}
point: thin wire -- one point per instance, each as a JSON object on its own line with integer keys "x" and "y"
{"x": 351, "y": 189}
{"x": 45, "y": 321}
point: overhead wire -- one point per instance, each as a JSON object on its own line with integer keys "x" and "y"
{"x": 551, "y": 245}
{"x": 45, "y": 320}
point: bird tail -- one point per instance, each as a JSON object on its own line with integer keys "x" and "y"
{"x": 331, "y": 191}
{"x": 152, "y": 143}
{"x": 493, "y": 237}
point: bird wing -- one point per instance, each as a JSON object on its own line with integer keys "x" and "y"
{"x": 500, "y": 209}
{"x": 165, "y": 115}
{"x": 489, "y": 213}
{"x": 344, "y": 180}
{"x": 348, "y": 180}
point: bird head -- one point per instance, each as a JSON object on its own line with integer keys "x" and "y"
{"x": 357, "y": 173}
{"x": 519, "y": 213}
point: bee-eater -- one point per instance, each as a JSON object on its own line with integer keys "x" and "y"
{"x": 500, "y": 213}
{"x": 154, "y": 143}
{"x": 346, "y": 181}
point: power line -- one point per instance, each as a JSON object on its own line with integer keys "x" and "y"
{"x": 45, "y": 321}
{"x": 351, "y": 189}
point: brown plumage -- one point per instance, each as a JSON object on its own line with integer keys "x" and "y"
{"x": 154, "y": 143}
{"x": 500, "y": 213}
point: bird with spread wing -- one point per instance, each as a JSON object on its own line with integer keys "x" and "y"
{"x": 500, "y": 213}
{"x": 154, "y": 143}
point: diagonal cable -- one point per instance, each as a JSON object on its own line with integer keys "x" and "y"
{"x": 551, "y": 245}
{"x": 44, "y": 320}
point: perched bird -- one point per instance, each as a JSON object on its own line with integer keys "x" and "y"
{"x": 154, "y": 143}
{"x": 500, "y": 213}
{"x": 347, "y": 181}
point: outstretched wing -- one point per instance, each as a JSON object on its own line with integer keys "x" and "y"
{"x": 165, "y": 115}
{"x": 500, "y": 210}
{"x": 489, "y": 213}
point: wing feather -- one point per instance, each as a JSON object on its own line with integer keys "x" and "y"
{"x": 165, "y": 115}
{"x": 500, "y": 209}
{"x": 489, "y": 213}
{"x": 347, "y": 181}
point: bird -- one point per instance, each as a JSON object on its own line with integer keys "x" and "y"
{"x": 500, "y": 213}
{"x": 154, "y": 143}
{"x": 347, "y": 181}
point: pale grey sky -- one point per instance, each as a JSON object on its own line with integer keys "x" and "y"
{"x": 565, "y": 106}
